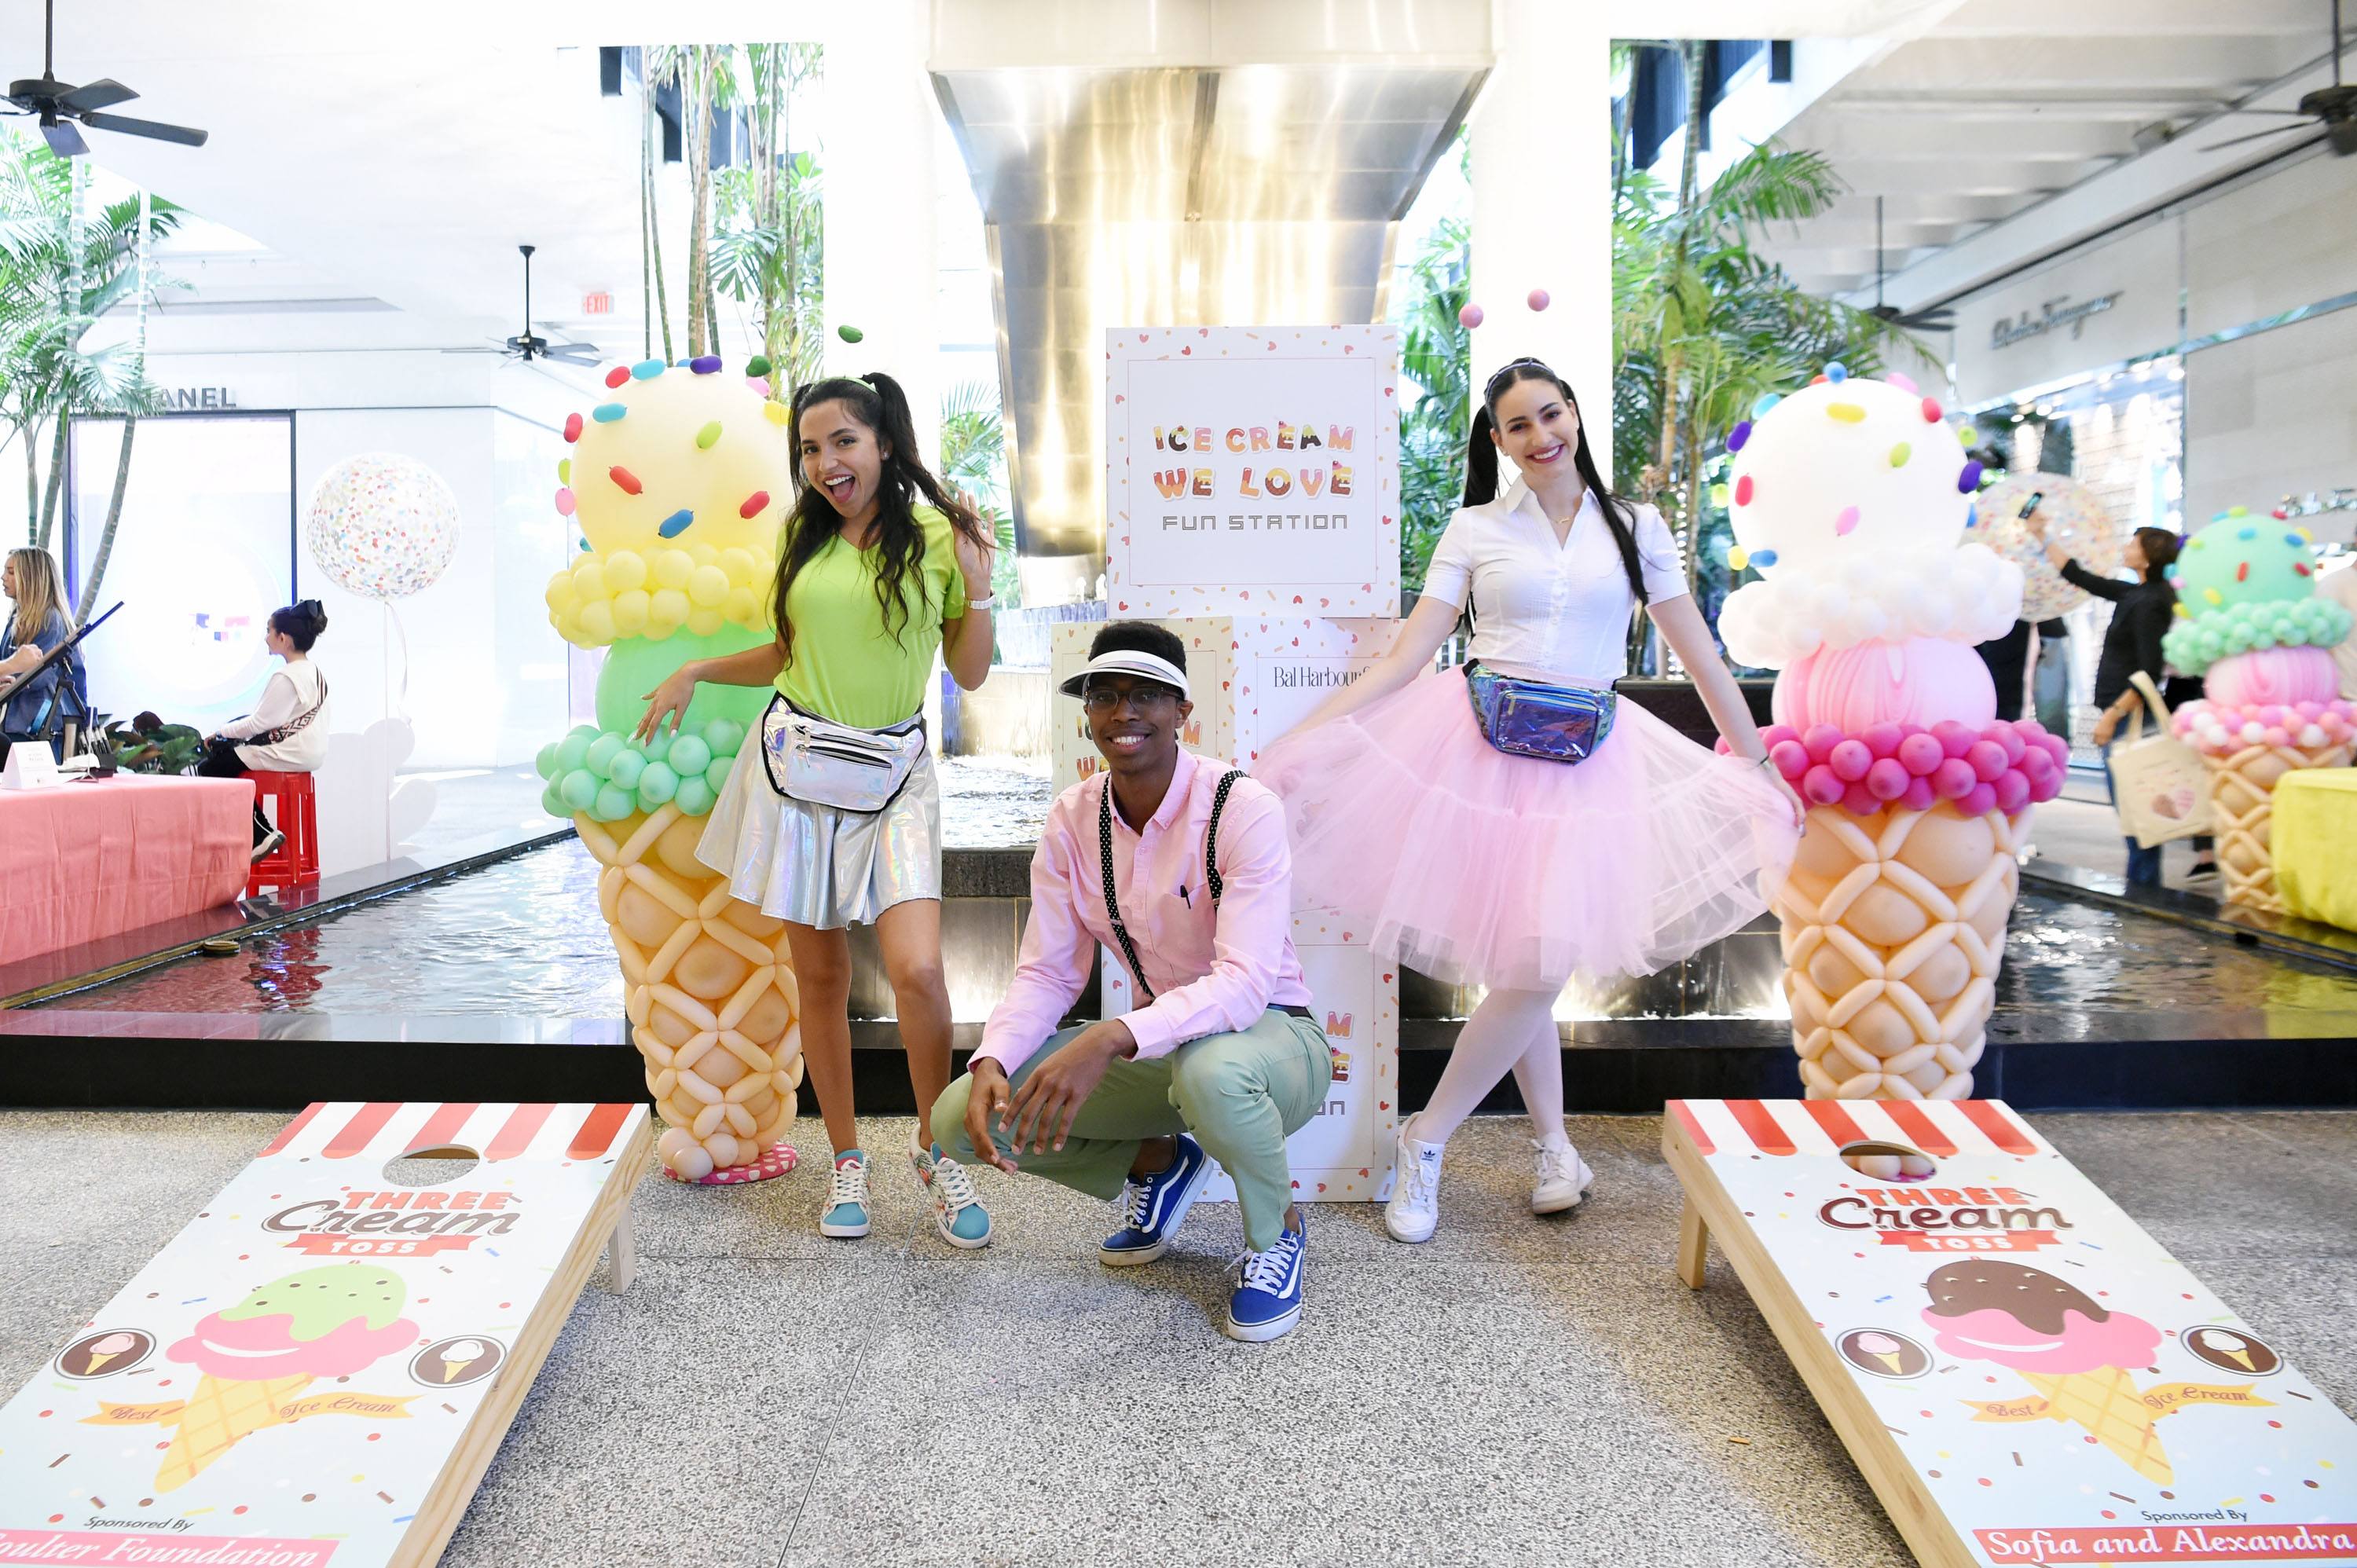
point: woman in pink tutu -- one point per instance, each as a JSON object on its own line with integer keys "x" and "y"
{"x": 1511, "y": 824}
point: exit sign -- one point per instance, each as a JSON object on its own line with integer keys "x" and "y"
{"x": 599, "y": 304}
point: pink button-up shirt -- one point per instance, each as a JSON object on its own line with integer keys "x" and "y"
{"x": 1209, "y": 974}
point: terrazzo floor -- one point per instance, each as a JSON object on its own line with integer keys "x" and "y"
{"x": 1518, "y": 1390}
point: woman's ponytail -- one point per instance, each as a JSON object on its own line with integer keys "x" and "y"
{"x": 904, "y": 470}
{"x": 1481, "y": 460}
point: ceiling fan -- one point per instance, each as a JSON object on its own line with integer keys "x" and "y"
{"x": 1938, "y": 318}
{"x": 61, "y": 104}
{"x": 529, "y": 347}
{"x": 2334, "y": 108}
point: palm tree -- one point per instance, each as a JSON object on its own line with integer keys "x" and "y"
{"x": 61, "y": 270}
{"x": 973, "y": 458}
{"x": 1436, "y": 358}
{"x": 765, "y": 245}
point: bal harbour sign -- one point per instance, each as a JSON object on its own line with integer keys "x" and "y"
{"x": 1252, "y": 469}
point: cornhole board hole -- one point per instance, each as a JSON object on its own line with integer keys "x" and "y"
{"x": 387, "y": 1278}
{"x": 2022, "y": 1373}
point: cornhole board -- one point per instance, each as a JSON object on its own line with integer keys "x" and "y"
{"x": 2079, "y": 1397}
{"x": 397, "y": 1325}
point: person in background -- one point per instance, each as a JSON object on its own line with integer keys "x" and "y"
{"x": 288, "y": 731}
{"x": 2141, "y": 612}
{"x": 37, "y": 622}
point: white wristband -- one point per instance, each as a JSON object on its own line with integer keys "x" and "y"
{"x": 989, "y": 603}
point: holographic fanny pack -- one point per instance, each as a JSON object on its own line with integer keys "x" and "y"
{"x": 1530, "y": 719}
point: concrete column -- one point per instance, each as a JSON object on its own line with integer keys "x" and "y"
{"x": 882, "y": 270}
{"x": 1542, "y": 203}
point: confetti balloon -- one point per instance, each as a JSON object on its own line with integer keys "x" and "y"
{"x": 381, "y": 525}
{"x": 1469, "y": 316}
{"x": 2074, "y": 518}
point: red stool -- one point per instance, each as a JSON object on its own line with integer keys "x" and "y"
{"x": 297, "y": 861}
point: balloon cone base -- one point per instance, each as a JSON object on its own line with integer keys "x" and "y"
{"x": 776, "y": 1161}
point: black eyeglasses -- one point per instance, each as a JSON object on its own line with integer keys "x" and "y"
{"x": 1141, "y": 699}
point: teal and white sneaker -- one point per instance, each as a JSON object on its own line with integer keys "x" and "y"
{"x": 847, "y": 1196}
{"x": 958, "y": 1213}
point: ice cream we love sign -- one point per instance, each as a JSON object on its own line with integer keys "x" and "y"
{"x": 2023, "y": 1375}
{"x": 1252, "y": 469}
{"x": 318, "y": 1368}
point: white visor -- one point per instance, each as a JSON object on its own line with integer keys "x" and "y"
{"x": 1128, "y": 661}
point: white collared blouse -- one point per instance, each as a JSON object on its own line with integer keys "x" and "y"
{"x": 1545, "y": 611}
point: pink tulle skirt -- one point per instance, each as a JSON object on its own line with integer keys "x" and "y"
{"x": 1477, "y": 867}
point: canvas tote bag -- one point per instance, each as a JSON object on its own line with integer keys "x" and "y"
{"x": 2161, "y": 783}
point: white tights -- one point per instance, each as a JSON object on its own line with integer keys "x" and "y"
{"x": 1509, "y": 1030}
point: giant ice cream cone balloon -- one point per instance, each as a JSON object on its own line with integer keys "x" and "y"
{"x": 1854, "y": 500}
{"x": 2251, "y": 624}
{"x": 675, "y": 484}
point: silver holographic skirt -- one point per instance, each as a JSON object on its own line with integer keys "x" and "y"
{"x": 818, "y": 867}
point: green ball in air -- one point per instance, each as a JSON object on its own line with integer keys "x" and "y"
{"x": 579, "y": 789}
{"x": 849, "y": 333}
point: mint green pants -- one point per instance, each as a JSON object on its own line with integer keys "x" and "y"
{"x": 1241, "y": 1094}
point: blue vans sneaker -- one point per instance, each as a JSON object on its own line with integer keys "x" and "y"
{"x": 846, "y": 1197}
{"x": 1267, "y": 1301}
{"x": 1152, "y": 1207}
{"x": 958, "y": 1213}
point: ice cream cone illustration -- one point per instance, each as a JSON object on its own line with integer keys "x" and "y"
{"x": 677, "y": 485}
{"x": 1885, "y": 1349}
{"x": 109, "y": 1348}
{"x": 2234, "y": 1346}
{"x": 457, "y": 1358}
{"x": 1854, "y": 500}
{"x": 2250, "y": 622}
{"x": 2074, "y": 1352}
{"x": 258, "y": 1356}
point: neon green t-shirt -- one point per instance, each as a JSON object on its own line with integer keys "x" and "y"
{"x": 847, "y": 665}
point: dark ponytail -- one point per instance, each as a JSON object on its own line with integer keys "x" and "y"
{"x": 876, "y": 402}
{"x": 300, "y": 624}
{"x": 1481, "y": 464}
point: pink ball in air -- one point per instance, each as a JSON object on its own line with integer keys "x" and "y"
{"x": 1980, "y": 802}
{"x": 2012, "y": 793}
{"x": 1954, "y": 779}
{"x": 1886, "y": 779}
{"x": 1987, "y": 759}
{"x": 1850, "y": 760}
{"x": 1918, "y": 754}
{"x": 1920, "y": 795}
{"x": 1469, "y": 316}
{"x": 1539, "y": 300}
{"x": 1820, "y": 740}
{"x": 1820, "y": 786}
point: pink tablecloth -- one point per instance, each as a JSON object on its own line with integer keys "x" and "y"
{"x": 83, "y": 861}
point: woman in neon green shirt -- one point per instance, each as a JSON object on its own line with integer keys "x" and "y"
{"x": 878, "y": 567}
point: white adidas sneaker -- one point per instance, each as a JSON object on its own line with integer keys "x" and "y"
{"x": 1564, "y": 1179}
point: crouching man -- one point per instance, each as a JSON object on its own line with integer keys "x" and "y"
{"x": 1180, "y": 866}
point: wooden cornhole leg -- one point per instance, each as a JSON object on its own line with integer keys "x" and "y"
{"x": 445, "y": 1501}
{"x": 1694, "y": 1244}
{"x": 622, "y": 1252}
